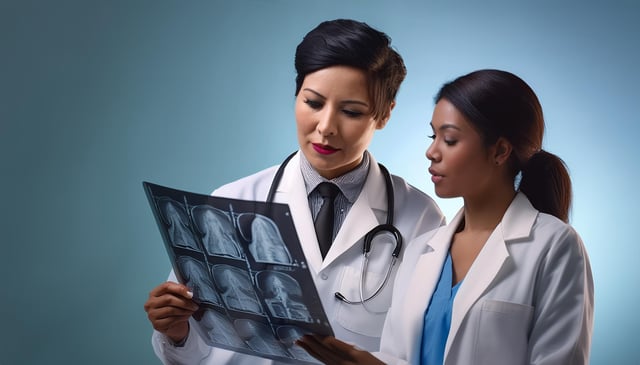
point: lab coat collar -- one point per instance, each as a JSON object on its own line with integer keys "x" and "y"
{"x": 519, "y": 218}
{"x": 362, "y": 217}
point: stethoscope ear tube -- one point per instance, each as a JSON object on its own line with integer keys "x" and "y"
{"x": 277, "y": 177}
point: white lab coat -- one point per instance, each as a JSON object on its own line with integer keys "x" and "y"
{"x": 527, "y": 298}
{"x": 415, "y": 214}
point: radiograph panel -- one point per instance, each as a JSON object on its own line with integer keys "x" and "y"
{"x": 236, "y": 288}
{"x": 217, "y": 231}
{"x": 265, "y": 241}
{"x": 283, "y": 296}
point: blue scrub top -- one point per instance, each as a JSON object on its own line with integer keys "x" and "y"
{"x": 437, "y": 318}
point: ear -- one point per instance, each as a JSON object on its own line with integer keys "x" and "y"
{"x": 502, "y": 151}
{"x": 383, "y": 122}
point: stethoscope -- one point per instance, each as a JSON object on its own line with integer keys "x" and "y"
{"x": 387, "y": 227}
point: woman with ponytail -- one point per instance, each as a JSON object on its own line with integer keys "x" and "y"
{"x": 508, "y": 280}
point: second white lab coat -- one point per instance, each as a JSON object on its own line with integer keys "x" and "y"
{"x": 415, "y": 214}
{"x": 527, "y": 298}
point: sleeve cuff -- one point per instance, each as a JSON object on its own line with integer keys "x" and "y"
{"x": 181, "y": 343}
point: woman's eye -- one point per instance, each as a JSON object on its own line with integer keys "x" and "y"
{"x": 447, "y": 141}
{"x": 313, "y": 104}
{"x": 352, "y": 113}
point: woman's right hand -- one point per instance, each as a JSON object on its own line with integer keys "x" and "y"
{"x": 168, "y": 308}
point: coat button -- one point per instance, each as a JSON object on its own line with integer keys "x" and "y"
{"x": 324, "y": 276}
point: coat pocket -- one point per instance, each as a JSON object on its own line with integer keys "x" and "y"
{"x": 356, "y": 317}
{"x": 503, "y": 333}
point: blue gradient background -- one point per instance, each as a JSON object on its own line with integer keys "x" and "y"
{"x": 97, "y": 96}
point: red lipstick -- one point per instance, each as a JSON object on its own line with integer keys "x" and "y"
{"x": 324, "y": 149}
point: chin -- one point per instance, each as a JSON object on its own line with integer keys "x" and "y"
{"x": 445, "y": 194}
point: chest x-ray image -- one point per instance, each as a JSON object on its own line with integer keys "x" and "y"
{"x": 219, "y": 330}
{"x": 236, "y": 288}
{"x": 264, "y": 238}
{"x": 196, "y": 277}
{"x": 217, "y": 231}
{"x": 175, "y": 217}
{"x": 243, "y": 262}
{"x": 283, "y": 296}
{"x": 259, "y": 337}
{"x": 288, "y": 336}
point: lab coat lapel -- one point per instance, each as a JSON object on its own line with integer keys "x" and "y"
{"x": 362, "y": 215}
{"x": 293, "y": 187}
{"x": 482, "y": 272}
{"x": 516, "y": 223}
{"x": 423, "y": 282}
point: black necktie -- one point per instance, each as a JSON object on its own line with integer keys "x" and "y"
{"x": 324, "y": 220}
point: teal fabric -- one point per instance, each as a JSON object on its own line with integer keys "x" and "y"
{"x": 437, "y": 319}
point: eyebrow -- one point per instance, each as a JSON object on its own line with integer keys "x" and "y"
{"x": 342, "y": 102}
{"x": 446, "y": 126}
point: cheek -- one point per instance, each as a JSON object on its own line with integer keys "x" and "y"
{"x": 475, "y": 171}
{"x": 463, "y": 165}
{"x": 303, "y": 119}
{"x": 359, "y": 134}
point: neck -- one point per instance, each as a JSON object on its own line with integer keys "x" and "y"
{"x": 483, "y": 213}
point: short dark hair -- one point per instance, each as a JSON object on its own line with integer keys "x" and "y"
{"x": 500, "y": 104}
{"x": 346, "y": 42}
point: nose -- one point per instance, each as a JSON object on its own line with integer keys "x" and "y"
{"x": 327, "y": 123}
{"x": 432, "y": 153}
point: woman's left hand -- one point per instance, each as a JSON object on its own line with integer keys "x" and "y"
{"x": 332, "y": 351}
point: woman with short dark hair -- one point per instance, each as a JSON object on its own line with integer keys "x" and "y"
{"x": 347, "y": 80}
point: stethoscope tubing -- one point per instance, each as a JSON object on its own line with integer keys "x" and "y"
{"x": 368, "y": 238}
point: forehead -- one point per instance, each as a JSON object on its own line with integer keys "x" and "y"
{"x": 447, "y": 116}
{"x": 338, "y": 80}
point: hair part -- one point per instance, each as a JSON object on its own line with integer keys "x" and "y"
{"x": 346, "y": 42}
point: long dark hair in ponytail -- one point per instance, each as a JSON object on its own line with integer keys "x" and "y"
{"x": 500, "y": 104}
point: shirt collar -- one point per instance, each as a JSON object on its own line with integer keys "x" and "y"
{"x": 350, "y": 184}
